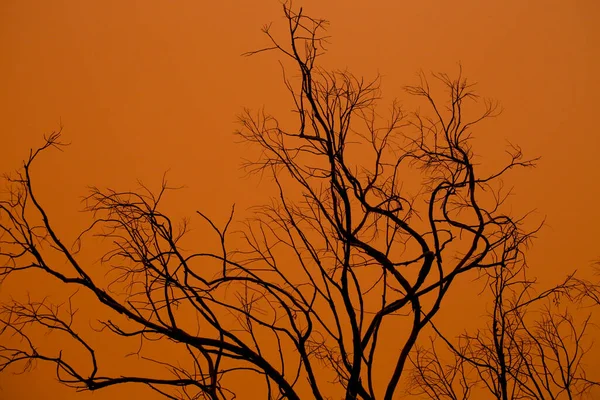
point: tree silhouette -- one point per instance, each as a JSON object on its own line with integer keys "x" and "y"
{"x": 334, "y": 281}
{"x": 532, "y": 346}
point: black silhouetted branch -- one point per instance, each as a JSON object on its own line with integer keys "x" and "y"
{"x": 437, "y": 379}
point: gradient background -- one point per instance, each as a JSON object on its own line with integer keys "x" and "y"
{"x": 142, "y": 87}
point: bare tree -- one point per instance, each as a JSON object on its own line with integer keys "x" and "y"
{"x": 532, "y": 346}
{"x": 376, "y": 218}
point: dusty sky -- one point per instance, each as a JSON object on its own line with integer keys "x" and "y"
{"x": 142, "y": 87}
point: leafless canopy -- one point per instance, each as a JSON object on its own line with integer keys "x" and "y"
{"x": 532, "y": 347}
{"x": 327, "y": 294}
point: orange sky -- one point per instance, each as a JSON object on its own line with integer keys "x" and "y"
{"x": 142, "y": 87}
